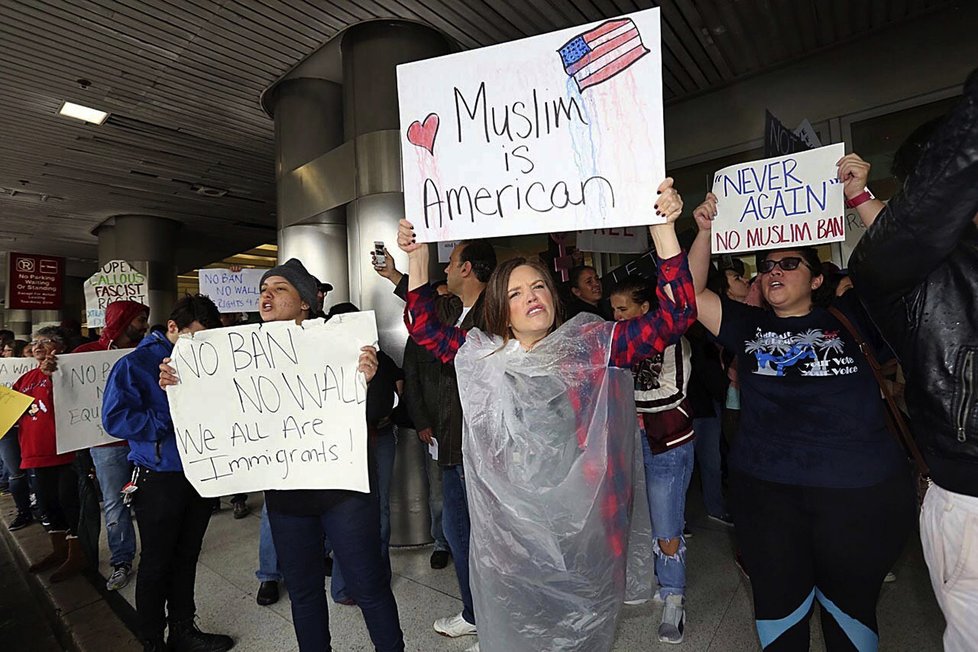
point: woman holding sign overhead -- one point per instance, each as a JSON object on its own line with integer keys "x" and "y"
{"x": 821, "y": 494}
{"x": 547, "y": 404}
{"x": 299, "y": 519}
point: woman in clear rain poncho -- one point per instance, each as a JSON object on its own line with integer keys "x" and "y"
{"x": 548, "y": 442}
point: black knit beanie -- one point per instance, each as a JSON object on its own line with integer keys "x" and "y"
{"x": 295, "y": 273}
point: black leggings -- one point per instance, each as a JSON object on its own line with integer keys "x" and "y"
{"x": 57, "y": 489}
{"x": 803, "y": 545}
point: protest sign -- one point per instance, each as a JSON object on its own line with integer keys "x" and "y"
{"x": 557, "y": 132}
{"x": 779, "y": 139}
{"x": 12, "y": 405}
{"x": 78, "y": 384}
{"x": 806, "y": 132}
{"x": 13, "y": 368}
{"x": 116, "y": 280}
{"x": 793, "y": 200}
{"x": 232, "y": 291}
{"x": 273, "y": 406}
{"x": 623, "y": 240}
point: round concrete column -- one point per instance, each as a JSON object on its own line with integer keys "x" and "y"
{"x": 147, "y": 243}
{"x": 322, "y": 249}
{"x": 371, "y": 52}
{"x": 19, "y": 321}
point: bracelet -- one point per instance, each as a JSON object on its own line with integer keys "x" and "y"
{"x": 861, "y": 198}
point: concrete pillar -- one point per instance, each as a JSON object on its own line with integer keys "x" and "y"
{"x": 148, "y": 243}
{"x": 19, "y": 321}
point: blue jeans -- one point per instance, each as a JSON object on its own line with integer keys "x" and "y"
{"x": 666, "y": 481}
{"x": 17, "y": 481}
{"x": 708, "y": 457}
{"x": 384, "y": 452}
{"x": 455, "y": 520}
{"x": 113, "y": 470}
{"x": 268, "y": 568}
{"x": 353, "y": 528}
{"x": 433, "y": 475}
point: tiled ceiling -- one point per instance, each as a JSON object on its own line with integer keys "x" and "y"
{"x": 182, "y": 78}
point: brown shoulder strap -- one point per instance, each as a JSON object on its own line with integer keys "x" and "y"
{"x": 894, "y": 416}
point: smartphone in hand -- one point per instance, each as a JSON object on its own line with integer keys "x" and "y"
{"x": 380, "y": 258}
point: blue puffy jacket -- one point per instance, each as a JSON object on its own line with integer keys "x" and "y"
{"x": 135, "y": 408}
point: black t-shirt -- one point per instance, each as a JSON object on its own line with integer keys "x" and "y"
{"x": 811, "y": 410}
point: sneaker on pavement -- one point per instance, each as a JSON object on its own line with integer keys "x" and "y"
{"x": 439, "y": 559}
{"x": 454, "y": 626}
{"x": 673, "y": 620}
{"x": 723, "y": 519}
{"x": 241, "y": 509}
{"x": 23, "y": 520}
{"x": 890, "y": 577}
{"x": 474, "y": 648}
{"x": 119, "y": 577}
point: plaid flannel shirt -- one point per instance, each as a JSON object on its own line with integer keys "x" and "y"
{"x": 633, "y": 340}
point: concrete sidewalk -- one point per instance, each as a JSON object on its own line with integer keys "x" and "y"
{"x": 719, "y": 615}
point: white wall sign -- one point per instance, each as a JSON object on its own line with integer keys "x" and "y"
{"x": 13, "y": 368}
{"x": 792, "y": 200}
{"x": 621, "y": 240}
{"x": 78, "y": 384}
{"x": 273, "y": 406}
{"x": 557, "y": 132}
{"x": 117, "y": 280}
{"x": 232, "y": 291}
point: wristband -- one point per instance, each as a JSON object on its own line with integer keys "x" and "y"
{"x": 861, "y": 198}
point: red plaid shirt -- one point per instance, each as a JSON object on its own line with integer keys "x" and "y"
{"x": 632, "y": 340}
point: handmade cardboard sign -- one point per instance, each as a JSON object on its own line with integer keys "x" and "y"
{"x": 116, "y": 280}
{"x": 273, "y": 406}
{"x": 624, "y": 240}
{"x": 232, "y": 291}
{"x": 558, "y": 132}
{"x": 12, "y": 406}
{"x": 78, "y": 384}
{"x": 13, "y": 368}
{"x": 793, "y": 200}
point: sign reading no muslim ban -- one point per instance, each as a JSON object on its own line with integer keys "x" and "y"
{"x": 273, "y": 406}
{"x": 793, "y": 200}
{"x": 34, "y": 282}
{"x": 232, "y": 291}
{"x": 78, "y": 384}
{"x": 558, "y": 132}
{"x": 117, "y": 280}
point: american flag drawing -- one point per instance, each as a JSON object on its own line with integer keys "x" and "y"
{"x": 601, "y": 53}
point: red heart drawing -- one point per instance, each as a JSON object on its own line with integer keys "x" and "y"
{"x": 423, "y": 135}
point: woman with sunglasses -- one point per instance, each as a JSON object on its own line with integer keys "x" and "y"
{"x": 821, "y": 494}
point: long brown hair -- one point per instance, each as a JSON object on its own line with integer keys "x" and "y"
{"x": 497, "y": 297}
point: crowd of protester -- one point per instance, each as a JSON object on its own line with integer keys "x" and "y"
{"x": 550, "y": 404}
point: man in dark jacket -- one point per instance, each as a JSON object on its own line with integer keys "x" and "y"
{"x": 172, "y": 516}
{"x": 468, "y": 270}
{"x": 917, "y": 272}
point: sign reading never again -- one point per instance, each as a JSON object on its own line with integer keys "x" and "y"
{"x": 794, "y": 200}
{"x": 78, "y": 384}
{"x": 273, "y": 406}
{"x": 553, "y": 133}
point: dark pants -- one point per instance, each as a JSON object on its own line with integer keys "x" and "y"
{"x": 57, "y": 489}
{"x": 89, "y": 513}
{"x": 455, "y": 522}
{"x": 172, "y": 518}
{"x": 353, "y": 527}
{"x": 833, "y": 546}
{"x": 17, "y": 479}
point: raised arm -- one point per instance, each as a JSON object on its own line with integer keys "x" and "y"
{"x": 854, "y": 173}
{"x": 639, "y": 338}
{"x": 708, "y": 307}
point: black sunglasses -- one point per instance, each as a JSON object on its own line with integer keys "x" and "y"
{"x": 788, "y": 264}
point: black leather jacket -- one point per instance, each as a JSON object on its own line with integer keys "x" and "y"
{"x": 917, "y": 272}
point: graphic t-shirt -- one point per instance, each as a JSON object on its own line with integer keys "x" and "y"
{"x": 811, "y": 410}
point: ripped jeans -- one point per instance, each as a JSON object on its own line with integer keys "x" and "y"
{"x": 666, "y": 481}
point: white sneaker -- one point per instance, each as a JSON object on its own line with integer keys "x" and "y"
{"x": 454, "y": 626}
{"x": 474, "y": 648}
{"x": 890, "y": 577}
{"x": 119, "y": 577}
{"x": 673, "y": 620}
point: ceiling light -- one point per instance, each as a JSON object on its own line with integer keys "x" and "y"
{"x": 80, "y": 112}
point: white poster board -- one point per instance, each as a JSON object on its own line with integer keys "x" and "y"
{"x": 232, "y": 291}
{"x": 116, "y": 280}
{"x": 622, "y": 240}
{"x": 78, "y": 384}
{"x": 794, "y": 200}
{"x": 13, "y": 368}
{"x": 273, "y": 406}
{"x": 557, "y": 132}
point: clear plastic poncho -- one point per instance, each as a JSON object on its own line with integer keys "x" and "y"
{"x": 552, "y": 469}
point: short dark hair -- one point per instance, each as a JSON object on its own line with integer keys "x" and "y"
{"x": 195, "y": 308}
{"x": 574, "y": 275}
{"x": 482, "y": 257}
{"x": 6, "y": 335}
{"x": 342, "y": 309}
{"x": 18, "y": 347}
{"x": 637, "y": 288}
{"x": 821, "y": 296}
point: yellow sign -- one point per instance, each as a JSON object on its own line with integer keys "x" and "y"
{"x": 12, "y": 405}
